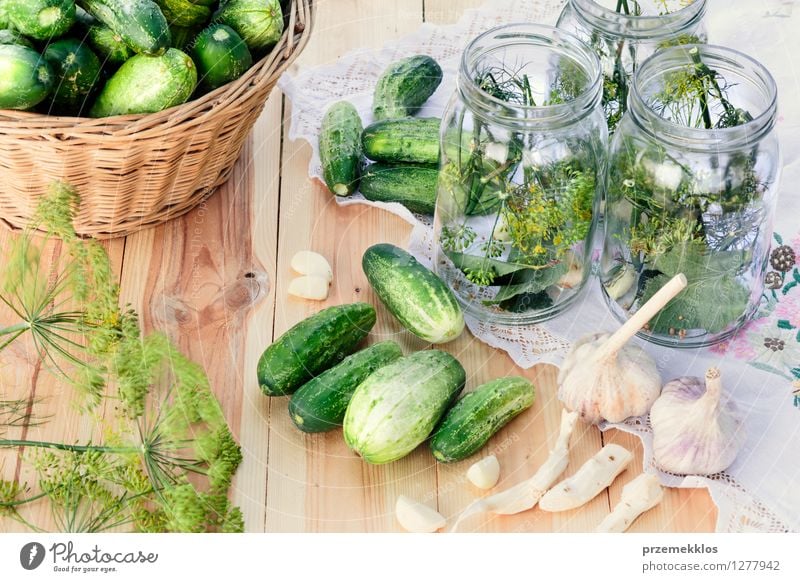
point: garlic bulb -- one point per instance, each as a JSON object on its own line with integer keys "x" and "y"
{"x": 604, "y": 379}
{"x": 694, "y": 432}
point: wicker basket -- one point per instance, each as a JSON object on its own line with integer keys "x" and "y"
{"x": 137, "y": 171}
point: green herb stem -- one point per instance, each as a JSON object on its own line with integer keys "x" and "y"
{"x": 6, "y": 443}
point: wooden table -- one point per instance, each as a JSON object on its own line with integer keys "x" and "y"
{"x": 215, "y": 280}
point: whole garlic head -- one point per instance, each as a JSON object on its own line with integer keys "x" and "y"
{"x": 694, "y": 432}
{"x": 599, "y": 389}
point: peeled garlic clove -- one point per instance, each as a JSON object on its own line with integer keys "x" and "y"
{"x": 602, "y": 378}
{"x": 416, "y": 517}
{"x": 621, "y": 282}
{"x": 574, "y": 275}
{"x": 309, "y": 287}
{"x": 694, "y": 432}
{"x": 638, "y": 496}
{"x": 485, "y": 473}
{"x": 311, "y": 263}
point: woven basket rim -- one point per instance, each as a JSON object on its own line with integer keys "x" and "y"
{"x": 293, "y": 40}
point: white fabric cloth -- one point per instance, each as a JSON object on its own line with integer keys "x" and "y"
{"x": 761, "y": 490}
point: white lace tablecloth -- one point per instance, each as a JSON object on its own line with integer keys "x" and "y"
{"x": 761, "y": 490}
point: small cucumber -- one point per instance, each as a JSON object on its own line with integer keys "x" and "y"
{"x": 405, "y": 86}
{"x": 475, "y": 418}
{"x": 258, "y": 22}
{"x": 312, "y": 346}
{"x": 108, "y": 45}
{"x": 403, "y": 140}
{"x": 26, "y": 78}
{"x": 145, "y": 84}
{"x": 184, "y": 12}
{"x": 419, "y": 299}
{"x": 41, "y": 19}
{"x": 340, "y": 148}
{"x": 221, "y": 56}
{"x": 140, "y": 23}
{"x": 412, "y": 186}
{"x": 319, "y": 405}
{"x": 77, "y": 73}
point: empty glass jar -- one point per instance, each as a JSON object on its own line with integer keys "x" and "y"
{"x": 624, "y": 33}
{"x": 693, "y": 177}
{"x": 522, "y": 169}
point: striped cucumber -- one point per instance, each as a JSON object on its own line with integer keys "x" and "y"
{"x": 140, "y": 23}
{"x": 412, "y": 186}
{"x": 340, "y": 148}
{"x": 403, "y": 140}
{"x": 405, "y": 86}
{"x": 26, "y": 78}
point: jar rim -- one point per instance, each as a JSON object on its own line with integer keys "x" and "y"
{"x": 535, "y": 35}
{"x": 643, "y": 26}
{"x": 723, "y": 138}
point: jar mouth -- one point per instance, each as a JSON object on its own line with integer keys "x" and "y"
{"x": 643, "y": 26}
{"x": 538, "y": 40}
{"x": 756, "y": 94}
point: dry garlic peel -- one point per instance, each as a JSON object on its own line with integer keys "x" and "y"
{"x": 638, "y": 496}
{"x": 485, "y": 473}
{"x": 311, "y": 263}
{"x": 694, "y": 432}
{"x": 309, "y": 287}
{"x": 416, "y": 517}
{"x": 526, "y": 495}
{"x": 602, "y": 378}
{"x": 594, "y": 475}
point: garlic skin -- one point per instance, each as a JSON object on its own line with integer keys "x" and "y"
{"x": 694, "y": 431}
{"x": 640, "y": 495}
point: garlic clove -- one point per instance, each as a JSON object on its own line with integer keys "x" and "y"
{"x": 593, "y": 476}
{"x": 416, "y": 517}
{"x": 621, "y": 283}
{"x": 311, "y": 263}
{"x": 638, "y": 496}
{"x": 694, "y": 432}
{"x": 309, "y": 287}
{"x": 574, "y": 275}
{"x": 485, "y": 473}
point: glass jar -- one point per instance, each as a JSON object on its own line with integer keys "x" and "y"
{"x": 624, "y": 33}
{"x": 693, "y": 177}
{"x": 522, "y": 166}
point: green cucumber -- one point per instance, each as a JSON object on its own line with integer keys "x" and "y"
{"x": 26, "y": 78}
{"x": 340, "y": 148}
{"x": 319, "y": 405}
{"x": 184, "y": 12}
{"x": 412, "y": 186}
{"x": 475, "y": 418}
{"x": 77, "y": 72}
{"x": 395, "y": 409}
{"x": 140, "y": 23}
{"x": 108, "y": 45}
{"x": 258, "y": 22}
{"x": 403, "y": 140}
{"x": 312, "y": 346}
{"x": 8, "y": 36}
{"x": 419, "y": 299}
{"x": 405, "y": 86}
{"x": 5, "y": 20}
{"x": 221, "y": 56}
{"x": 41, "y": 19}
{"x": 183, "y": 36}
{"x": 145, "y": 84}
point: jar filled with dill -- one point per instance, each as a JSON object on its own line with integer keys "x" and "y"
{"x": 624, "y": 33}
{"x": 693, "y": 174}
{"x": 522, "y": 167}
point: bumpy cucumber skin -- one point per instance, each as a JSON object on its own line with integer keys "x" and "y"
{"x": 408, "y": 140}
{"x": 320, "y": 404}
{"x": 145, "y": 84}
{"x": 26, "y": 78}
{"x": 77, "y": 72}
{"x": 221, "y": 56}
{"x": 405, "y": 86}
{"x": 41, "y": 19}
{"x": 108, "y": 44}
{"x": 420, "y": 300}
{"x": 140, "y": 23}
{"x": 312, "y": 346}
{"x": 258, "y": 22}
{"x": 413, "y": 186}
{"x": 340, "y": 148}
{"x": 184, "y": 12}
{"x": 395, "y": 409}
{"x": 475, "y": 418}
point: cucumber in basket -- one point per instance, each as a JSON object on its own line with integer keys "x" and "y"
{"x": 403, "y": 140}
{"x": 140, "y": 23}
{"x": 77, "y": 73}
{"x": 258, "y": 22}
{"x": 41, "y": 19}
{"x": 405, "y": 86}
{"x": 145, "y": 84}
{"x": 340, "y": 148}
{"x": 478, "y": 416}
{"x": 221, "y": 56}
{"x": 184, "y": 12}
{"x": 412, "y": 186}
{"x": 25, "y": 77}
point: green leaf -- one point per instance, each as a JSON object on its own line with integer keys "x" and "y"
{"x": 694, "y": 260}
{"x": 529, "y": 281}
{"x": 796, "y": 371}
{"x": 784, "y": 324}
{"x": 778, "y": 238}
{"x": 465, "y": 261}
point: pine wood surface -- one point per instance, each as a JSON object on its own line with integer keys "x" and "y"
{"x": 215, "y": 280}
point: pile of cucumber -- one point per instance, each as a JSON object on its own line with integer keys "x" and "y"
{"x": 100, "y": 58}
{"x": 388, "y": 403}
{"x": 404, "y": 150}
